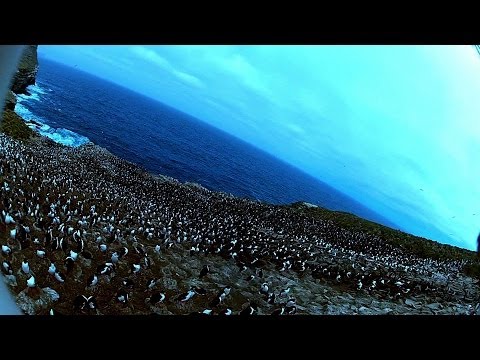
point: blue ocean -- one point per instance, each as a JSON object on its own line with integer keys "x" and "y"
{"x": 74, "y": 107}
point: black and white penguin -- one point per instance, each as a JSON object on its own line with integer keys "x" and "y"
{"x": 271, "y": 298}
{"x": 156, "y": 298}
{"x": 122, "y": 296}
{"x": 128, "y": 283}
{"x": 41, "y": 254}
{"x": 31, "y": 282}
{"x": 91, "y": 303}
{"x": 205, "y": 270}
{"x": 264, "y": 289}
{"x": 250, "y": 277}
{"x": 207, "y": 312}
{"x": 291, "y": 302}
{"x": 60, "y": 277}
{"x": 73, "y": 255}
{"x": 291, "y": 310}
{"x": 151, "y": 283}
{"x": 80, "y": 302}
{"x": 280, "y": 311}
{"x": 25, "y": 267}
{"x": 102, "y": 247}
{"x": 186, "y": 296}
{"x": 92, "y": 280}
{"x": 135, "y": 268}
{"x": 251, "y": 309}
{"x": 52, "y": 269}
{"x": 227, "y": 312}
{"x": 7, "y": 267}
{"x": 105, "y": 269}
{"x": 285, "y": 292}
{"x": 123, "y": 252}
{"x": 6, "y": 250}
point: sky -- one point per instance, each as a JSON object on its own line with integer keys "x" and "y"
{"x": 394, "y": 127}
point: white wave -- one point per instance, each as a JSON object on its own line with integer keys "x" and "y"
{"x": 23, "y": 112}
{"x": 60, "y": 135}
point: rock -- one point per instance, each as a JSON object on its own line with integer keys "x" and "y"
{"x": 411, "y": 303}
{"x": 33, "y": 306}
{"x": 11, "y": 280}
{"x": 10, "y": 101}
{"x": 435, "y": 306}
{"x": 27, "y": 70}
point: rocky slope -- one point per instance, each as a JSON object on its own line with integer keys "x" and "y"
{"x": 25, "y": 75}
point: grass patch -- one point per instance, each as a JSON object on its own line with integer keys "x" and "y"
{"x": 14, "y": 126}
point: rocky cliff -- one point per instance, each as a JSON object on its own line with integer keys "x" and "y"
{"x": 25, "y": 75}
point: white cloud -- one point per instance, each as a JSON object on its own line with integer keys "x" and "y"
{"x": 156, "y": 59}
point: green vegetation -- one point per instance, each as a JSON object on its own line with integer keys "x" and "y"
{"x": 14, "y": 126}
{"x": 413, "y": 244}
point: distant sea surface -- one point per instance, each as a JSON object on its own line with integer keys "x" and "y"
{"x": 74, "y": 107}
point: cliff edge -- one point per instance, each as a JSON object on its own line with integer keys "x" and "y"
{"x": 26, "y": 75}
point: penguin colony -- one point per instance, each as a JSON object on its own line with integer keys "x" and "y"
{"x": 101, "y": 232}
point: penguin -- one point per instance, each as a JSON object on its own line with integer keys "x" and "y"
{"x": 128, "y": 283}
{"x": 122, "y": 296}
{"x": 156, "y": 298}
{"x": 115, "y": 257}
{"x": 157, "y": 249}
{"x": 207, "y": 312}
{"x": 291, "y": 302}
{"x": 6, "y": 249}
{"x": 73, "y": 255}
{"x": 91, "y": 303}
{"x": 135, "y": 268}
{"x": 264, "y": 289}
{"x": 291, "y": 310}
{"x": 151, "y": 283}
{"x": 7, "y": 267}
{"x": 280, "y": 311}
{"x": 60, "y": 277}
{"x": 92, "y": 280}
{"x": 186, "y": 296}
{"x": 25, "y": 267}
{"x": 41, "y": 254}
{"x": 271, "y": 298}
{"x": 102, "y": 247}
{"x": 31, "y": 282}
{"x": 227, "y": 312}
{"x": 123, "y": 252}
{"x": 205, "y": 270}
{"x": 251, "y": 309}
{"x": 250, "y": 278}
{"x": 285, "y": 292}
{"x": 52, "y": 269}
{"x": 79, "y": 302}
{"x": 105, "y": 269}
